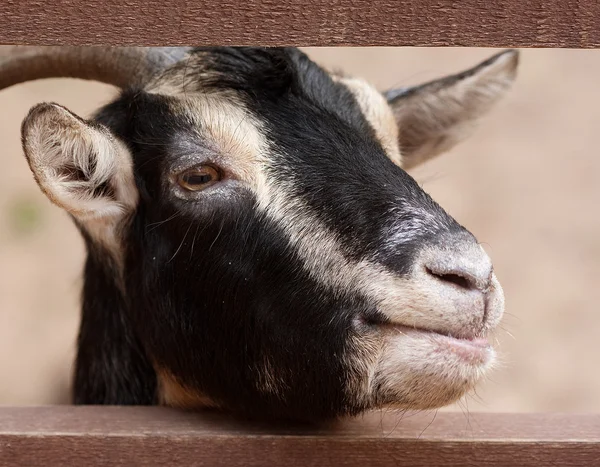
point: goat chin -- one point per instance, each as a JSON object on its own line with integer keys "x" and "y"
{"x": 424, "y": 370}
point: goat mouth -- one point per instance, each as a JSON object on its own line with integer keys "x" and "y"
{"x": 471, "y": 349}
{"x": 477, "y": 341}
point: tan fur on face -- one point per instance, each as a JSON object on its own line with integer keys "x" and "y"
{"x": 236, "y": 137}
{"x": 173, "y": 393}
{"x": 377, "y": 112}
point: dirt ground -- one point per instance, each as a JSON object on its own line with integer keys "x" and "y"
{"x": 526, "y": 184}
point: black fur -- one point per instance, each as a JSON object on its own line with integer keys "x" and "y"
{"x": 111, "y": 366}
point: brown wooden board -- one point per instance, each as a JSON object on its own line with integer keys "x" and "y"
{"x": 497, "y": 23}
{"x": 94, "y": 436}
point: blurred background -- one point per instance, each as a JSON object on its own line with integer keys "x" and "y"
{"x": 526, "y": 184}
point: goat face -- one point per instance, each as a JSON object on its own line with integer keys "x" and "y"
{"x": 256, "y": 245}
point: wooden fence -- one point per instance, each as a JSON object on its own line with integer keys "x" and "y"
{"x": 88, "y": 436}
{"x": 498, "y": 23}
{"x": 131, "y": 436}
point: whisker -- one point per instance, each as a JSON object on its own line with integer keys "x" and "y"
{"x": 429, "y": 424}
{"x": 158, "y": 224}
{"x": 507, "y": 332}
{"x": 487, "y": 245}
{"x": 512, "y": 316}
{"x": 194, "y": 239}
{"x": 430, "y": 178}
{"x": 218, "y": 234}
{"x": 477, "y": 398}
{"x": 469, "y": 427}
{"x": 181, "y": 244}
{"x": 403, "y": 413}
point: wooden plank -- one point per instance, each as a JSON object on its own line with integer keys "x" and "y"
{"x": 499, "y": 23}
{"x": 95, "y": 436}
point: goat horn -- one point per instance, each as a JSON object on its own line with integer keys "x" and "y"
{"x": 119, "y": 66}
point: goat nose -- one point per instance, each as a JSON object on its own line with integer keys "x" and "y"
{"x": 458, "y": 289}
{"x": 464, "y": 265}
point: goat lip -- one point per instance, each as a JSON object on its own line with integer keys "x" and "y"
{"x": 479, "y": 342}
{"x": 471, "y": 351}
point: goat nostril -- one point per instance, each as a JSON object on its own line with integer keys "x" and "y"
{"x": 455, "y": 279}
{"x": 461, "y": 265}
{"x": 458, "y": 278}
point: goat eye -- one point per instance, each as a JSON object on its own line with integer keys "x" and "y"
{"x": 198, "y": 178}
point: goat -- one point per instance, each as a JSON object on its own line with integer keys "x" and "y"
{"x": 254, "y": 242}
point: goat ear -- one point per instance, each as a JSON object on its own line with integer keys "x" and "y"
{"x": 435, "y": 116}
{"x": 79, "y": 165}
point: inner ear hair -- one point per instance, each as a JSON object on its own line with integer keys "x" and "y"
{"x": 82, "y": 168}
{"x": 78, "y": 164}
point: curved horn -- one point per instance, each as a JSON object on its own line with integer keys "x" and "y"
{"x": 119, "y": 66}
